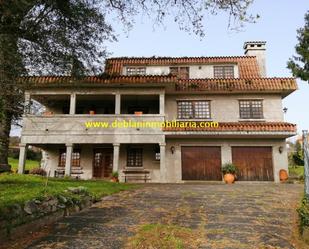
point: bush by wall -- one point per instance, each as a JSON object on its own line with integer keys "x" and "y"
{"x": 303, "y": 212}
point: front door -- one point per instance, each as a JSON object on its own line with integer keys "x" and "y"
{"x": 102, "y": 162}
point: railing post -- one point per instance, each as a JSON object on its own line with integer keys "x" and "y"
{"x": 306, "y": 161}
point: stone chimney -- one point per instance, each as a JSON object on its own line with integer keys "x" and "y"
{"x": 258, "y": 49}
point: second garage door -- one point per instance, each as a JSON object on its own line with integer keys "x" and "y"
{"x": 201, "y": 163}
{"x": 254, "y": 163}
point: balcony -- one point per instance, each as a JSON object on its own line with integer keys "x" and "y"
{"x": 92, "y": 118}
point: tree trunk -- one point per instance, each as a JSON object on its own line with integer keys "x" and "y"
{"x": 11, "y": 92}
{"x": 5, "y": 128}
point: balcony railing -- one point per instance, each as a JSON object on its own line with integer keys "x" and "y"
{"x": 91, "y": 124}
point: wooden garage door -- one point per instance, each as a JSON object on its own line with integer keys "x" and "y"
{"x": 201, "y": 163}
{"x": 254, "y": 163}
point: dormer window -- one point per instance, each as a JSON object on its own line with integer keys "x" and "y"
{"x": 180, "y": 72}
{"x": 136, "y": 70}
{"x": 223, "y": 71}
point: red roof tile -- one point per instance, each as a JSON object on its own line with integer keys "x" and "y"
{"x": 255, "y": 84}
{"x": 278, "y": 85}
{"x": 248, "y": 67}
{"x": 68, "y": 80}
{"x": 243, "y": 126}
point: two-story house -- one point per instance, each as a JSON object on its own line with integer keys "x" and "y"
{"x": 233, "y": 91}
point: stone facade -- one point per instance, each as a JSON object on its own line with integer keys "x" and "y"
{"x": 62, "y": 127}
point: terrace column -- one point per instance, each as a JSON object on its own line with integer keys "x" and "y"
{"x": 116, "y": 157}
{"x": 22, "y": 158}
{"x": 117, "y": 103}
{"x": 72, "y": 103}
{"x": 163, "y": 170}
{"x": 68, "y": 159}
{"x": 162, "y": 103}
{"x": 27, "y": 103}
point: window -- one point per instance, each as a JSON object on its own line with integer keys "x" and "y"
{"x": 62, "y": 156}
{"x": 193, "y": 109}
{"x": 181, "y": 72}
{"x": 75, "y": 158}
{"x": 223, "y": 71}
{"x": 136, "y": 70}
{"x": 251, "y": 109}
{"x": 135, "y": 157}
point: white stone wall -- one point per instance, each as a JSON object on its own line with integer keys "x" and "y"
{"x": 225, "y": 108}
{"x": 199, "y": 71}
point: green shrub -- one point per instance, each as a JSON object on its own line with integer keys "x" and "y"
{"x": 229, "y": 168}
{"x": 115, "y": 174}
{"x": 303, "y": 213}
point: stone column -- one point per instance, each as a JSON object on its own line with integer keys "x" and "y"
{"x": 22, "y": 158}
{"x": 116, "y": 157}
{"x": 163, "y": 169}
{"x": 68, "y": 159}
{"x": 162, "y": 103}
{"x": 27, "y": 106}
{"x": 72, "y": 103}
{"x": 117, "y": 103}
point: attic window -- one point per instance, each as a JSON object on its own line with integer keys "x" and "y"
{"x": 136, "y": 70}
{"x": 223, "y": 71}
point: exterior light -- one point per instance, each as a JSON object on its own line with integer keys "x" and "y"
{"x": 280, "y": 149}
{"x": 285, "y": 109}
{"x": 172, "y": 149}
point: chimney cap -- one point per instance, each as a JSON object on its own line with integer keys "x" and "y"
{"x": 254, "y": 44}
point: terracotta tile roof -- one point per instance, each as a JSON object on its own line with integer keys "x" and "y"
{"x": 68, "y": 80}
{"x": 278, "y": 85}
{"x": 286, "y": 85}
{"x": 248, "y": 67}
{"x": 243, "y": 126}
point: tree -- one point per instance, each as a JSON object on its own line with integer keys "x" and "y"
{"x": 300, "y": 64}
{"x": 298, "y": 155}
{"x": 67, "y": 37}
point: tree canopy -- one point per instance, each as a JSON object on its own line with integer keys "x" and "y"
{"x": 299, "y": 64}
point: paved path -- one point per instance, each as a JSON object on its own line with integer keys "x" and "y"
{"x": 232, "y": 216}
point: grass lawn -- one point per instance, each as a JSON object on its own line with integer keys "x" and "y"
{"x": 30, "y": 164}
{"x": 164, "y": 237}
{"x": 20, "y": 188}
{"x": 296, "y": 170}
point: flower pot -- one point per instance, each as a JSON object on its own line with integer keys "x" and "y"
{"x": 138, "y": 113}
{"x": 91, "y": 112}
{"x": 229, "y": 178}
{"x": 283, "y": 175}
{"x": 47, "y": 113}
{"x": 114, "y": 179}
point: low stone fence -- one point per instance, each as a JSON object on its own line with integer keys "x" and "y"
{"x": 71, "y": 201}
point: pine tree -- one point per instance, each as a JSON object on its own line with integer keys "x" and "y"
{"x": 300, "y": 64}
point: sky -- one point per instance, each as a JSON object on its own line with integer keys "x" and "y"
{"x": 277, "y": 25}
